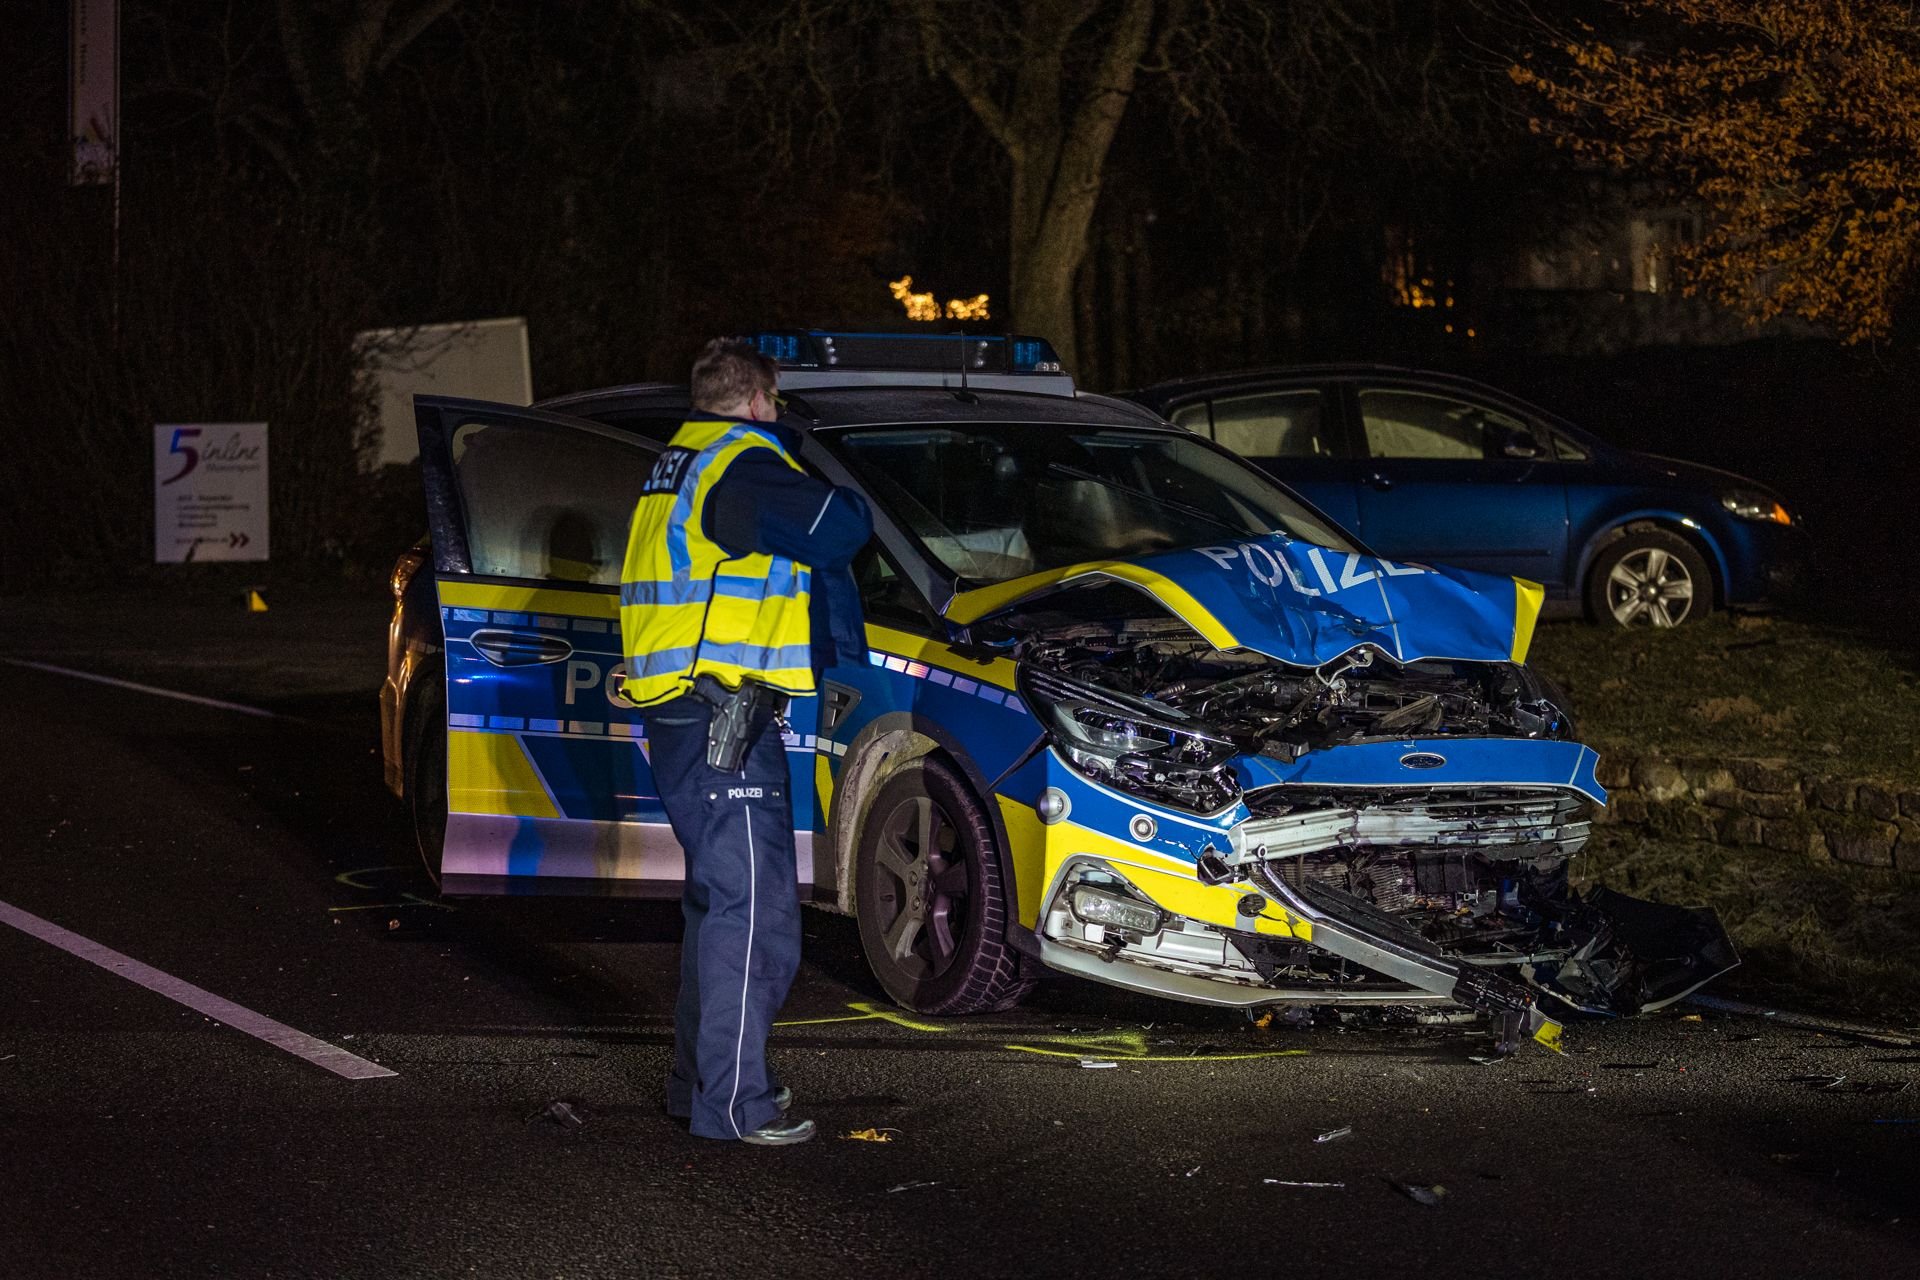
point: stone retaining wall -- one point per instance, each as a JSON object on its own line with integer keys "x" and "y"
{"x": 1765, "y": 802}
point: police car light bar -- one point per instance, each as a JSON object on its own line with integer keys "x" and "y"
{"x": 931, "y": 353}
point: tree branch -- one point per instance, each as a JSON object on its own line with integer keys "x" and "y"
{"x": 410, "y": 29}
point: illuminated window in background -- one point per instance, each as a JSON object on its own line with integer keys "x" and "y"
{"x": 922, "y": 306}
{"x": 1652, "y": 241}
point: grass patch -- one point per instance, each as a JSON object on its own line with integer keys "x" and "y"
{"x": 1847, "y": 936}
{"x": 1835, "y": 700}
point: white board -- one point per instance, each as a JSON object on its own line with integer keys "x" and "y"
{"x": 209, "y": 491}
{"x": 478, "y": 359}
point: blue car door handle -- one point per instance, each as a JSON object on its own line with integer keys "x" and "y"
{"x": 520, "y": 648}
{"x": 1380, "y": 480}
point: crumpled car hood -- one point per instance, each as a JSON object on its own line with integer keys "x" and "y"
{"x": 1304, "y": 604}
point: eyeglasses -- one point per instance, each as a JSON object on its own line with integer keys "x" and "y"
{"x": 778, "y": 401}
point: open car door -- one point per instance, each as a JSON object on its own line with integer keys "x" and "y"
{"x": 548, "y": 787}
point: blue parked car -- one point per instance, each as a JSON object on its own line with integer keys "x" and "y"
{"x": 1428, "y": 467}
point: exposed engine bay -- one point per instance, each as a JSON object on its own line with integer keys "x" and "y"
{"x": 1268, "y": 707}
{"x": 1445, "y": 888}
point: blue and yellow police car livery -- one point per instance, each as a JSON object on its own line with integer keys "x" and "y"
{"x": 1129, "y": 709}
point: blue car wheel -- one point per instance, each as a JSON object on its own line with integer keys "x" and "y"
{"x": 1649, "y": 578}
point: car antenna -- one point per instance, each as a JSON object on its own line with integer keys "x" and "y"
{"x": 963, "y": 395}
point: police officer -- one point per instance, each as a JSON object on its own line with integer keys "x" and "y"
{"x": 735, "y": 592}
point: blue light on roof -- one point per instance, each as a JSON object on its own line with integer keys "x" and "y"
{"x": 929, "y": 352}
{"x": 782, "y": 348}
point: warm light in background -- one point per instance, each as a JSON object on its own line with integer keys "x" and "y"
{"x": 921, "y": 306}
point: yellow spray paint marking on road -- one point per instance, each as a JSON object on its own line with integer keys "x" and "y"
{"x": 1131, "y": 1046}
{"x": 1123, "y": 1046}
{"x": 864, "y": 1012}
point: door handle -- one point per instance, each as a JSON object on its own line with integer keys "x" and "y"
{"x": 1380, "y": 480}
{"x": 520, "y": 648}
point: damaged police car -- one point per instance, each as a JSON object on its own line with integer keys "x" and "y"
{"x": 1131, "y": 710}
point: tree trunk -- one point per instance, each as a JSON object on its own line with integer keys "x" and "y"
{"x": 1057, "y": 139}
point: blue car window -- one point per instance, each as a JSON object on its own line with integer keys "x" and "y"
{"x": 1273, "y": 424}
{"x": 993, "y": 501}
{"x": 544, "y": 502}
{"x": 1416, "y": 424}
{"x": 1567, "y": 449}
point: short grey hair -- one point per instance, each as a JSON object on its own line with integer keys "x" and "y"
{"x": 728, "y": 372}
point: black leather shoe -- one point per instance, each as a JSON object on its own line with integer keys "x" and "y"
{"x": 781, "y": 1133}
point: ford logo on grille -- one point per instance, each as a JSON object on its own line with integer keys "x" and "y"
{"x": 1423, "y": 760}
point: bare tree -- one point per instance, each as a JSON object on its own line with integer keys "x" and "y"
{"x": 1050, "y": 81}
{"x": 334, "y": 52}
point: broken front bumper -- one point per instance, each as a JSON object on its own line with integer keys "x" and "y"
{"x": 1221, "y": 913}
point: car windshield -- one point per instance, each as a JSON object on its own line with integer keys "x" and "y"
{"x": 992, "y": 501}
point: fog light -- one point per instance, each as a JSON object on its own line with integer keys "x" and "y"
{"x": 1095, "y": 907}
{"x": 1053, "y": 805}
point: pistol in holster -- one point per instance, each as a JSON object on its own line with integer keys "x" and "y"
{"x": 739, "y": 716}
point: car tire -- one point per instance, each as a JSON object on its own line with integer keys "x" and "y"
{"x": 427, "y": 776}
{"x": 1649, "y": 577}
{"x": 930, "y": 899}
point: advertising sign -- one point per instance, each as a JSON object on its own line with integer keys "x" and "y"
{"x": 209, "y": 491}
{"x": 93, "y": 106}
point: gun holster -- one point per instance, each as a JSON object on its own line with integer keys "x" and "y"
{"x": 739, "y": 716}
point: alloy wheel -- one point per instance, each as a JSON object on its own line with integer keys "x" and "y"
{"x": 924, "y": 888}
{"x": 1650, "y": 586}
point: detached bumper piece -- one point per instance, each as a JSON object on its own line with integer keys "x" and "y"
{"x": 1636, "y": 956}
{"x": 1356, "y": 930}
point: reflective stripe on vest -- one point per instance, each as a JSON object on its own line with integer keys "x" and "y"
{"x": 687, "y": 608}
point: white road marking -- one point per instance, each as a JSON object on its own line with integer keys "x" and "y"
{"x": 259, "y": 1026}
{"x": 118, "y": 683}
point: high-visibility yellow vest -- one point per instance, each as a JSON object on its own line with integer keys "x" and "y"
{"x": 687, "y": 608}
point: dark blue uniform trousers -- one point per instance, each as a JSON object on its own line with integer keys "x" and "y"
{"x": 742, "y": 909}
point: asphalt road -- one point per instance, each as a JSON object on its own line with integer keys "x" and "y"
{"x": 261, "y": 860}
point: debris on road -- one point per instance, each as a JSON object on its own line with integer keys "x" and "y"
{"x": 1283, "y": 1182}
{"x": 1331, "y": 1134}
{"x": 1817, "y": 1081}
{"x": 1189, "y": 1173}
{"x": 1097, "y": 1064}
{"x": 870, "y": 1135}
{"x": 911, "y": 1186}
{"x": 1429, "y": 1196}
{"x": 559, "y": 1113}
{"x": 1828, "y": 1026}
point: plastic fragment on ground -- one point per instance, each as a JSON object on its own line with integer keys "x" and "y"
{"x": 911, "y": 1186}
{"x": 562, "y": 1113}
{"x": 1331, "y": 1134}
{"x": 1429, "y": 1196}
{"x": 1285, "y": 1182}
{"x": 1097, "y": 1064}
{"x": 870, "y": 1135}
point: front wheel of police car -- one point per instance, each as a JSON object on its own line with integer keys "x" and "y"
{"x": 931, "y": 904}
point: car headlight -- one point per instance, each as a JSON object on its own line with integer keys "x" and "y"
{"x": 1751, "y": 504}
{"x": 1132, "y": 744}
